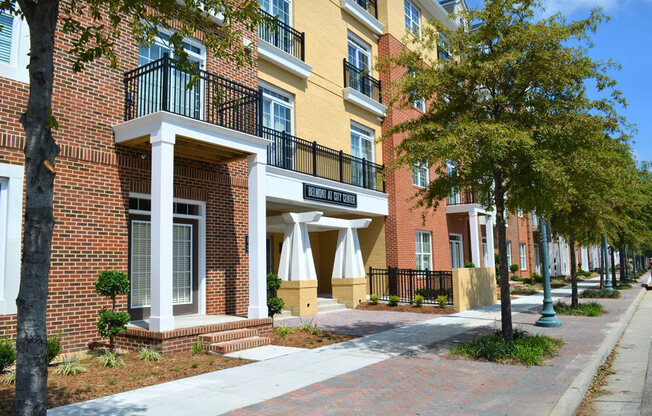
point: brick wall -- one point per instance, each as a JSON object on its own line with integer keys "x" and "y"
{"x": 94, "y": 178}
{"x": 520, "y": 231}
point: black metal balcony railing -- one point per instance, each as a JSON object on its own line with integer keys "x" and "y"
{"x": 283, "y": 36}
{"x": 361, "y": 81}
{"x": 461, "y": 198}
{"x": 292, "y": 153}
{"x": 369, "y": 5}
{"x": 162, "y": 85}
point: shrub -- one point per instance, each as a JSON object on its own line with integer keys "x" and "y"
{"x": 623, "y": 286}
{"x": 273, "y": 283}
{"x": 527, "y": 280}
{"x": 7, "y": 353}
{"x": 283, "y": 331}
{"x": 70, "y": 367}
{"x": 516, "y": 278}
{"x": 393, "y": 301}
{"x": 582, "y": 309}
{"x": 536, "y": 277}
{"x": 601, "y": 293}
{"x": 442, "y": 300}
{"x": 9, "y": 378}
{"x": 523, "y": 290}
{"x": 373, "y": 299}
{"x": 112, "y": 283}
{"x": 197, "y": 347}
{"x": 54, "y": 347}
{"x": 527, "y": 349}
{"x": 418, "y": 301}
{"x": 148, "y": 354}
{"x": 514, "y": 268}
{"x": 274, "y": 306}
{"x": 469, "y": 264}
{"x": 110, "y": 359}
{"x": 309, "y": 327}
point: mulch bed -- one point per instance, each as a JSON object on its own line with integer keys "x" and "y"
{"x": 99, "y": 381}
{"x": 305, "y": 339}
{"x": 405, "y": 308}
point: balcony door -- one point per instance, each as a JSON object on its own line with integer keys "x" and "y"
{"x": 277, "y": 115}
{"x": 359, "y": 57}
{"x": 457, "y": 251}
{"x": 280, "y": 38}
{"x": 454, "y": 198}
{"x": 182, "y": 100}
{"x": 362, "y": 150}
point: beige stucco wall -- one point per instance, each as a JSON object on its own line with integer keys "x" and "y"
{"x": 474, "y": 288}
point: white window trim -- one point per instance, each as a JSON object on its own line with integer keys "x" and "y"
{"x": 361, "y": 45}
{"x": 190, "y": 41}
{"x": 509, "y": 254}
{"x": 201, "y": 246}
{"x": 461, "y": 240}
{"x": 290, "y": 17}
{"x": 284, "y": 93}
{"x": 418, "y": 235}
{"x": 419, "y": 169}
{"x": 371, "y": 136}
{"x": 414, "y": 6}
{"x": 11, "y": 218}
{"x": 16, "y": 69}
{"x": 523, "y": 258}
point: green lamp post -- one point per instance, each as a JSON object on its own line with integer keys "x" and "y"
{"x": 548, "y": 318}
{"x": 605, "y": 254}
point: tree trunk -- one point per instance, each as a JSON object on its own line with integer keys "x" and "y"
{"x": 623, "y": 264}
{"x": 614, "y": 282}
{"x": 573, "y": 267}
{"x": 601, "y": 269}
{"x": 505, "y": 302}
{"x": 40, "y": 152}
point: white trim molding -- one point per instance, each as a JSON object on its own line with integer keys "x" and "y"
{"x": 356, "y": 97}
{"x": 16, "y": 69}
{"x": 283, "y": 59}
{"x": 12, "y": 223}
{"x": 363, "y": 16}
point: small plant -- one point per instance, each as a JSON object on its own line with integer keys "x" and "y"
{"x": 112, "y": 283}
{"x": 111, "y": 382}
{"x": 527, "y": 280}
{"x": 523, "y": 290}
{"x": 442, "y": 300}
{"x": 469, "y": 264}
{"x": 309, "y": 327}
{"x": 211, "y": 362}
{"x": 623, "y": 286}
{"x": 148, "y": 354}
{"x": 583, "y": 309}
{"x": 418, "y": 301}
{"x": 176, "y": 368}
{"x": 89, "y": 387}
{"x": 110, "y": 359}
{"x": 7, "y": 353}
{"x": 373, "y": 299}
{"x": 197, "y": 347}
{"x": 9, "y": 378}
{"x": 70, "y": 366}
{"x": 393, "y": 301}
{"x": 54, "y": 347}
{"x": 194, "y": 364}
{"x": 283, "y": 331}
{"x": 513, "y": 268}
{"x": 275, "y": 306}
{"x": 601, "y": 293}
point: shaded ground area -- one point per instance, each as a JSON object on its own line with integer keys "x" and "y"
{"x": 358, "y": 322}
{"x": 99, "y": 381}
{"x": 428, "y": 383}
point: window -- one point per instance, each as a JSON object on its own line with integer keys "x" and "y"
{"x": 523, "y": 257}
{"x": 274, "y": 34}
{"x": 418, "y": 103}
{"x": 443, "y": 47}
{"x": 457, "y": 251}
{"x": 412, "y": 18}
{"x": 14, "y": 47}
{"x": 509, "y": 254}
{"x": 277, "y": 115}
{"x": 280, "y": 8}
{"x": 362, "y": 148}
{"x": 423, "y": 249}
{"x": 520, "y": 213}
{"x": 420, "y": 175}
{"x": 535, "y": 221}
{"x": 359, "y": 58}
{"x": 537, "y": 260}
{"x": 11, "y": 213}
{"x": 454, "y": 198}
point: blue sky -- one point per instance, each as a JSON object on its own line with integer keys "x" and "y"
{"x": 627, "y": 38}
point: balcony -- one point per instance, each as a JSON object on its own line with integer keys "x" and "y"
{"x": 461, "y": 198}
{"x": 298, "y": 155}
{"x": 283, "y": 46}
{"x": 366, "y": 12}
{"x": 362, "y": 89}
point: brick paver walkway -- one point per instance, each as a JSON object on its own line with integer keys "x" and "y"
{"x": 429, "y": 383}
{"x": 359, "y": 322}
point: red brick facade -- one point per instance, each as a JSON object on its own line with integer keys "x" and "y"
{"x": 519, "y": 231}
{"x": 92, "y": 186}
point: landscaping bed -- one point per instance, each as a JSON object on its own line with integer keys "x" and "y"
{"x": 305, "y": 336}
{"x": 366, "y": 306}
{"x": 103, "y": 381}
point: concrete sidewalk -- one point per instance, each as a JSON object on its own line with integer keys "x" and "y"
{"x": 401, "y": 370}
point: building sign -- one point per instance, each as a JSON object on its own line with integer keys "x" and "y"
{"x": 329, "y": 196}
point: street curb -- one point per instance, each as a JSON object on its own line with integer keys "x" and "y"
{"x": 574, "y": 394}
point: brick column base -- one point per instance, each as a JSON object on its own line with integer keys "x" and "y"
{"x": 300, "y": 296}
{"x": 350, "y": 291}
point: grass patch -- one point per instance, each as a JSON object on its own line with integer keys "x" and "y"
{"x": 527, "y": 349}
{"x": 582, "y": 309}
{"x": 601, "y": 294}
{"x": 623, "y": 286}
{"x": 522, "y": 290}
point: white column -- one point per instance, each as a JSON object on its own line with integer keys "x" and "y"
{"x": 348, "y": 256}
{"x": 257, "y": 232}
{"x": 475, "y": 239}
{"x": 161, "y": 316}
{"x": 489, "y": 227}
{"x": 296, "y": 254}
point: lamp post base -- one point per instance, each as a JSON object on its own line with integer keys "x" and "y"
{"x": 548, "y": 322}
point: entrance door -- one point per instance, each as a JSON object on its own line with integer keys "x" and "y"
{"x": 185, "y": 279}
{"x": 457, "y": 255}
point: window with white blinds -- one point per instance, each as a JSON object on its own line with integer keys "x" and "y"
{"x": 6, "y": 31}
{"x": 141, "y": 264}
{"x": 182, "y": 264}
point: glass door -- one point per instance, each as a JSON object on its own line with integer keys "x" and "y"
{"x": 280, "y": 38}
{"x": 362, "y": 150}
{"x": 359, "y": 58}
{"x": 457, "y": 256}
{"x": 277, "y": 115}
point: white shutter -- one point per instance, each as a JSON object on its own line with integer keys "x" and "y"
{"x": 6, "y": 27}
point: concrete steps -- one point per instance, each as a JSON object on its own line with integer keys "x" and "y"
{"x": 325, "y": 305}
{"x": 234, "y": 340}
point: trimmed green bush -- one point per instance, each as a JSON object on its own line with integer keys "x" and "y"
{"x": 583, "y": 309}
{"x": 393, "y": 301}
{"x": 601, "y": 293}
{"x": 274, "y": 306}
{"x": 514, "y": 268}
{"x": 442, "y": 300}
{"x": 527, "y": 349}
{"x": 112, "y": 323}
{"x": 469, "y": 264}
{"x": 273, "y": 282}
{"x": 536, "y": 277}
{"x": 373, "y": 299}
{"x": 7, "y": 353}
{"x": 418, "y": 301}
{"x": 54, "y": 347}
{"x": 111, "y": 283}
